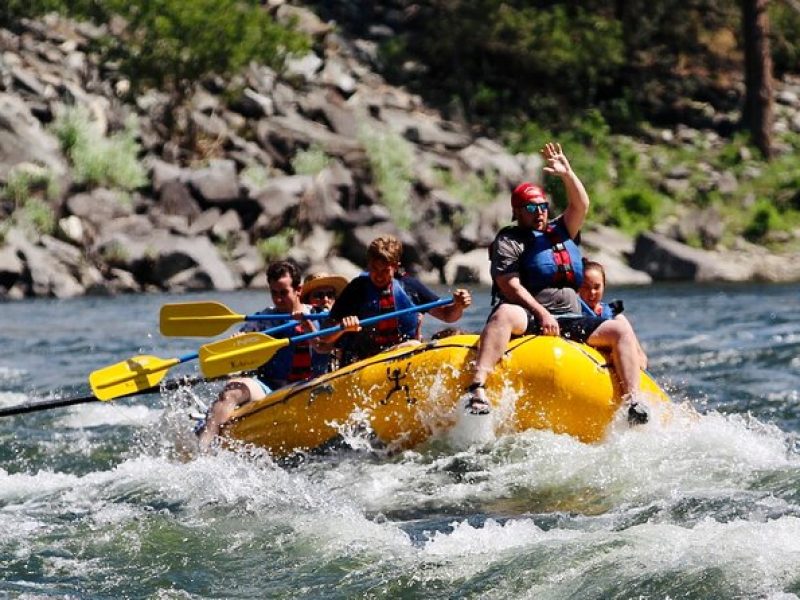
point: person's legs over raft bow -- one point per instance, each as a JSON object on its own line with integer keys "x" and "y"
{"x": 537, "y": 268}
{"x": 285, "y": 289}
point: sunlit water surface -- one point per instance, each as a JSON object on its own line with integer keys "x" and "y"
{"x": 107, "y": 500}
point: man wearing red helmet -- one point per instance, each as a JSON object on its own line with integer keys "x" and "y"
{"x": 537, "y": 269}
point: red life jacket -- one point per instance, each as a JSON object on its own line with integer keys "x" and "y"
{"x": 387, "y": 332}
{"x": 300, "y": 369}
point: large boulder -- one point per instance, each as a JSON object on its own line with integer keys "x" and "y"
{"x": 22, "y": 139}
{"x": 99, "y": 206}
{"x": 471, "y": 267}
{"x": 47, "y": 275}
{"x": 665, "y": 259}
{"x": 11, "y": 267}
{"x": 217, "y": 183}
{"x": 159, "y": 256}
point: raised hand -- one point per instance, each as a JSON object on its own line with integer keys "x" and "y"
{"x": 556, "y": 163}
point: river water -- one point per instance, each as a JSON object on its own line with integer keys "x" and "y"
{"x": 105, "y": 500}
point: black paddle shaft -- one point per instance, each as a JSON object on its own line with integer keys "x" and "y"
{"x": 29, "y": 407}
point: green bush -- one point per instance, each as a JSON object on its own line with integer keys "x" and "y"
{"x": 785, "y": 37}
{"x": 310, "y": 161}
{"x": 38, "y": 215}
{"x": 28, "y": 181}
{"x": 277, "y": 246}
{"x": 172, "y": 43}
{"x": 98, "y": 160}
{"x": 255, "y": 175}
{"x": 391, "y": 158}
{"x": 473, "y": 191}
{"x": 764, "y": 218}
{"x": 28, "y": 190}
{"x": 634, "y": 210}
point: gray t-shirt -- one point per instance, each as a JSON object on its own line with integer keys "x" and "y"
{"x": 506, "y": 252}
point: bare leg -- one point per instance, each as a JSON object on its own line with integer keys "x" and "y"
{"x": 506, "y": 321}
{"x": 235, "y": 393}
{"x": 618, "y": 336}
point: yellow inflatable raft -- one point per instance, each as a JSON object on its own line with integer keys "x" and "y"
{"x": 406, "y": 395}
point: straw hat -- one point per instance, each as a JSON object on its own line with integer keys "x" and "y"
{"x": 322, "y": 280}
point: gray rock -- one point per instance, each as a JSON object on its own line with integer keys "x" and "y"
{"x": 178, "y": 224}
{"x": 303, "y": 19}
{"x": 11, "y": 267}
{"x": 22, "y": 139}
{"x": 471, "y": 267}
{"x": 249, "y": 264}
{"x": 217, "y": 183}
{"x": 285, "y": 134}
{"x": 423, "y": 129}
{"x": 336, "y": 74}
{"x": 174, "y": 198}
{"x": 48, "y": 276}
{"x": 162, "y": 173}
{"x": 159, "y": 256}
{"x": 73, "y": 230}
{"x": 305, "y": 67}
{"x": 227, "y": 226}
{"x": 436, "y": 243}
{"x": 485, "y": 155}
{"x": 203, "y": 224}
{"x": 358, "y": 239}
{"x": 667, "y": 260}
{"x": 99, "y": 206}
{"x": 279, "y": 202}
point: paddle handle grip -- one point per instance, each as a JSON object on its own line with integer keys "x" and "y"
{"x": 375, "y": 319}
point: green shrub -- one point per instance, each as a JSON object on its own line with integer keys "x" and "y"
{"x": 391, "y": 158}
{"x": 98, "y": 160}
{"x": 473, "y": 191}
{"x": 173, "y": 43}
{"x": 38, "y": 215}
{"x": 23, "y": 183}
{"x": 256, "y": 175}
{"x": 310, "y": 161}
{"x": 115, "y": 253}
{"x": 28, "y": 190}
{"x": 277, "y": 246}
{"x": 634, "y": 210}
{"x": 785, "y": 36}
{"x": 764, "y": 218}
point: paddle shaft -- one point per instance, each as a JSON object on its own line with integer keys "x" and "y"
{"x": 250, "y": 351}
{"x": 276, "y": 316}
{"x": 29, "y": 407}
{"x": 375, "y": 319}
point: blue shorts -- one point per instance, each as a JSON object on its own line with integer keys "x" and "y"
{"x": 577, "y": 328}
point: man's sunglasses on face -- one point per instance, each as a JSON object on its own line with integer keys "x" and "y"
{"x": 535, "y": 207}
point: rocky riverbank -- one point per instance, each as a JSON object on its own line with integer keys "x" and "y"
{"x": 227, "y": 185}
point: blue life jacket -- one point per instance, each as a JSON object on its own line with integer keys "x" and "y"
{"x": 551, "y": 259}
{"x": 386, "y": 333}
{"x": 605, "y": 311}
{"x": 403, "y": 327}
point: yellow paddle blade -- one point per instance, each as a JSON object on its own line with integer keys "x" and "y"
{"x": 239, "y": 353}
{"x": 196, "y": 319}
{"x": 129, "y": 376}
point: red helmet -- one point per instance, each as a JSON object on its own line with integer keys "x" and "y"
{"x": 526, "y": 193}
